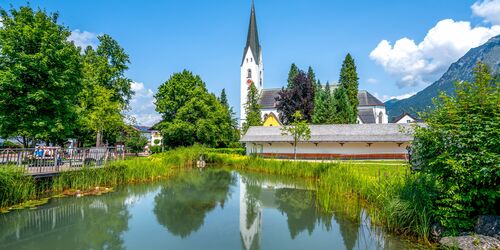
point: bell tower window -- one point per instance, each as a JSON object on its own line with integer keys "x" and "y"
{"x": 249, "y": 73}
{"x": 380, "y": 115}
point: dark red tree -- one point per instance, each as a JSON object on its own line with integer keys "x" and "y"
{"x": 299, "y": 97}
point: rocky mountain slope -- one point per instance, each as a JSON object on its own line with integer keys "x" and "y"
{"x": 462, "y": 70}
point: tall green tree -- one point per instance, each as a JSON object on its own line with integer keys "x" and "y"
{"x": 300, "y": 97}
{"x": 231, "y": 118}
{"x": 223, "y": 98}
{"x": 349, "y": 81}
{"x": 106, "y": 91}
{"x": 298, "y": 129}
{"x": 459, "y": 150}
{"x": 40, "y": 76}
{"x": 312, "y": 76}
{"x": 324, "y": 106}
{"x": 191, "y": 114}
{"x": 343, "y": 111}
{"x": 294, "y": 71}
{"x": 252, "y": 109}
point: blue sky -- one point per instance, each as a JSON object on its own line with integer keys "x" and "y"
{"x": 207, "y": 37}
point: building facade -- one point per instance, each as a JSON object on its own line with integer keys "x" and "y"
{"x": 370, "y": 109}
{"x": 341, "y": 141}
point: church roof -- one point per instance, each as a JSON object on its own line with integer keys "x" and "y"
{"x": 252, "y": 38}
{"x": 367, "y": 99}
{"x": 389, "y": 132}
{"x": 268, "y": 98}
{"x": 366, "y": 116}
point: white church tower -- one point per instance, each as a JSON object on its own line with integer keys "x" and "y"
{"x": 252, "y": 68}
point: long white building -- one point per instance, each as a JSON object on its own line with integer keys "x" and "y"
{"x": 345, "y": 141}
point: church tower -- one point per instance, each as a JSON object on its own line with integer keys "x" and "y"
{"x": 252, "y": 68}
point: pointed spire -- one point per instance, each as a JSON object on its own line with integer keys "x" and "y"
{"x": 252, "y": 38}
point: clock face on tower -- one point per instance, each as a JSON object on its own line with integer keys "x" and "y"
{"x": 249, "y": 82}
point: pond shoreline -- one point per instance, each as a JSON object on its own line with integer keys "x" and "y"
{"x": 354, "y": 181}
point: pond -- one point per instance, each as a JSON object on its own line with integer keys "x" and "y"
{"x": 210, "y": 209}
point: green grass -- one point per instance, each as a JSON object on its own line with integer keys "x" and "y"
{"x": 15, "y": 188}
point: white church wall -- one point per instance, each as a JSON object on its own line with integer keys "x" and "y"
{"x": 256, "y": 77}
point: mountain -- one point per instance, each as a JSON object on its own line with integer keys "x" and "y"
{"x": 461, "y": 70}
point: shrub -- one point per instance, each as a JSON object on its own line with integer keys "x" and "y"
{"x": 460, "y": 151}
{"x": 155, "y": 149}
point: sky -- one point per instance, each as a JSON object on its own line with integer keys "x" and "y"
{"x": 400, "y": 47}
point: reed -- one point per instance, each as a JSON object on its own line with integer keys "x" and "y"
{"x": 15, "y": 188}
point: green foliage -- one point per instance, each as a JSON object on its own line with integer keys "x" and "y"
{"x": 223, "y": 98}
{"x": 294, "y": 71}
{"x": 155, "y": 149}
{"x": 344, "y": 111}
{"x": 135, "y": 142}
{"x": 106, "y": 91}
{"x": 191, "y": 114}
{"x": 9, "y": 144}
{"x": 324, "y": 106}
{"x": 235, "y": 151}
{"x": 349, "y": 81}
{"x": 299, "y": 97}
{"x": 298, "y": 129}
{"x": 252, "y": 109}
{"x": 460, "y": 150}
{"x": 15, "y": 187}
{"x": 40, "y": 76}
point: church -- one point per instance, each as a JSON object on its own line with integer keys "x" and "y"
{"x": 370, "y": 109}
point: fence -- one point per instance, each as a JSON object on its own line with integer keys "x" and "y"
{"x": 44, "y": 160}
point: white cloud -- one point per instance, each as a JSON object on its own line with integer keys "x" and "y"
{"x": 142, "y": 106}
{"x": 487, "y": 9}
{"x": 371, "y": 80}
{"x": 418, "y": 64}
{"x": 83, "y": 39}
{"x": 385, "y": 98}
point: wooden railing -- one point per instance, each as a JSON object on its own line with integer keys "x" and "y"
{"x": 46, "y": 160}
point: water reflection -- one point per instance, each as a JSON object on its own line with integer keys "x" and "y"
{"x": 211, "y": 209}
{"x": 184, "y": 201}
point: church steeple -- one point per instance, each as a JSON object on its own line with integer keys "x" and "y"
{"x": 252, "y": 38}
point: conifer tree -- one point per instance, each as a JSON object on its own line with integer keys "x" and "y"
{"x": 252, "y": 109}
{"x": 311, "y": 75}
{"x": 223, "y": 98}
{"x": 294, "y": 71}
{"x": 349, "y": 81}
{"x": 343, "y": 113}
{"x": 325, "y": 106}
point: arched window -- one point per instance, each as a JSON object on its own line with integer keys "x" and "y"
{"x": 249, "y": 73}
{"x": 380, "y": 117}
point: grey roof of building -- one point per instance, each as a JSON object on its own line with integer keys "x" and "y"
{"x": 367, "y": 99}
{"x": 268, "y": 98}
{"x": 366, "y": 116}
{"x": 252, "y": 38}
{"x": 337, "y": 133}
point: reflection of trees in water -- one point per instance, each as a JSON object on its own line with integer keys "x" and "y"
{"x": 302, "y": 214}
{"x": 252, "y": 202}
{"x": 184, "y": 201}
{"x": 93, "y": 222}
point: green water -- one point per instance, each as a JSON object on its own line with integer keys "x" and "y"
{"x": 211, "y": 209}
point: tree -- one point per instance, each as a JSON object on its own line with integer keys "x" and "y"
{"x": 324, "y": 106}
{"x": 294, "y": 71}
{"x": 343, "y": 110}
{"x": 252, "y": 109}
{"x": 40, "y": 76}
{"x": 223, "y": 98}
{"x": 349, "y": 81}
{"x": 135, "y": 141}
{"x": 191, "y": 114}
{"x": 312, "y": 77}
{"x": 300, "y": 97}
{"x": 106, "y": 91}
{"x": 298, "y": 129}
{"x": 459, "y": 150}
